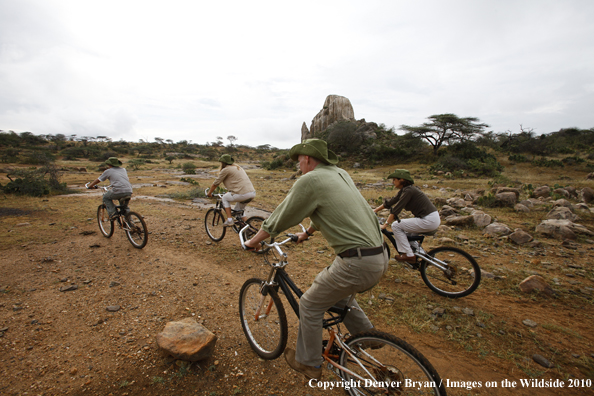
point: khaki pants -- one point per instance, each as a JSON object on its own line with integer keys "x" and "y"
{"x": 107, "y": 200}
{"x": 333, "y": 286}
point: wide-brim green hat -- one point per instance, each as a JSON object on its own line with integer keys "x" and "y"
{"x": 227, "y": 159}
{"x": 401, "y": 174}
{"x": 113, "y": 161}
{"x": 316, "y": 148}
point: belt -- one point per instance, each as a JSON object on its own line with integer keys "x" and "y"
{"x": 364, "y": 251}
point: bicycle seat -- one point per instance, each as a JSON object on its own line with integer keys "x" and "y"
{"x": 125, "y": 200}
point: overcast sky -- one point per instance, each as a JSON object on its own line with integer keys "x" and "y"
{"x": 195, "y": 70}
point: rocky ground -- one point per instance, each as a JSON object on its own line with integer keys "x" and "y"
{"x": 79, "y": 313}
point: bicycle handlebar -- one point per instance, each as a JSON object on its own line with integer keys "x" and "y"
{"x": 291, "y": 237}
{"x": 96, "y": 187}
{"x": 213, "y": 194}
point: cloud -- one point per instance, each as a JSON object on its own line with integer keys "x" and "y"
{"x": 190, "y": 70}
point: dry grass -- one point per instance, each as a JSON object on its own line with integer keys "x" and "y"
{"x": 495, "y": 330}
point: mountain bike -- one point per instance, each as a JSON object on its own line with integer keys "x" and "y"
{"x": 215, "y": 217}
{"x": 448, "y": 271}
{"x": 369, "y": 363}
{"x": 131, "y": 222}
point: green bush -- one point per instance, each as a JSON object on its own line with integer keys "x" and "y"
{"x": 518, "y": 158}
{"x": 189, "y": 168}
{"x": 34, "y": 182}
{"x": 548, "y": 163}
{"x": 136, "y": 163}
{"x": 573, "y": 160}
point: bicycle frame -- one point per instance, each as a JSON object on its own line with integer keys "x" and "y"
{"x": 420, "y": 252}
{"x": 278, "y": 277}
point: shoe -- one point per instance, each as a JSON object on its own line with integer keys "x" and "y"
{"x": 309, "y": 371}
{"x": 113, "y": 217}
{"x": 228, "y": 223}
{"x": 404, "y": 257}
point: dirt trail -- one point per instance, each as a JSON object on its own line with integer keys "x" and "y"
{"x": 66, "y": 342}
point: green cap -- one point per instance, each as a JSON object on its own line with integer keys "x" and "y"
{"x": 227, "y": 159}
{"x": 316, "y": 148}
{"x": 401, "y": 174}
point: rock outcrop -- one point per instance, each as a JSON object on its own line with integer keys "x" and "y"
{"x": 335, "y": 108}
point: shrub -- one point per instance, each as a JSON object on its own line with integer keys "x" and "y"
{"x": 573, "y": 160}
{"x": 518, "y": 158}
{"x": 34, "y": 182}
{"x": 189, "y": 168}
{"x": 281, "y": 161}
{"x": 547, "y": 163}
{"x": 136, "y": 163}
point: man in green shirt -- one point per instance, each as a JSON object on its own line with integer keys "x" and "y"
{"x": 327, "y": 195}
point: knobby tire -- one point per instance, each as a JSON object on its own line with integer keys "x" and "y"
{"x": 461, "y": 279}
{"x": 106, "y": 226}
{"x": 392, "y": 362}
{"x": 268, "y": 335}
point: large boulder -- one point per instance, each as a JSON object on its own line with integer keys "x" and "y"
{"x": 520, "y": 237}
{"x": 500, "y": 190}
{"x": 542, "y": 191}
{"x": 456, "y": 202}
{"x": 559, "y": 229}
{"x": 497, "y": 229}
{"x": 481, "y": 219}
{"x": 187, "y": 340}
{"x": 536, "y": 283}
{"x": 562, "y": 202}
{"x": 520, "y": 208}
{"x": 447, "y": 211}
{"x": 336, "y": 108}
{"x": 587, "y": 195}
{"x": 562, "y": 213}
{"x": 460, "y": 221}
{"x": 507, "y": 198}
{"x": 304, "y": 132}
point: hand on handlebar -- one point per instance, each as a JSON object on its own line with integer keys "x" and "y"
{"x": 249, "y": 248}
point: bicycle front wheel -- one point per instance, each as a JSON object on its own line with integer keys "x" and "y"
{"x": 213, "y": 222}
{"x": 382, "y": 364}
{"x": 461, "y": 276}
{"x": 136, "y": 230}
{"x": 263, "y": 319}
{"x": 105, "y": 225}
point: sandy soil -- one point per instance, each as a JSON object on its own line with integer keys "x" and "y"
{"x": 66, "y": 342}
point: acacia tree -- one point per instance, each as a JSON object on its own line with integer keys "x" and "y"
{"x": 446, "y": 129}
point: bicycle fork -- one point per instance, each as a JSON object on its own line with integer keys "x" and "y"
{"x": 332, "y": 363}
{"x": 442, "y": 265}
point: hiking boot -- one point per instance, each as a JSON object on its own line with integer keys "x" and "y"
{"x": 404, "y": 257}
{"x": 309, "y": 371}
{"x": 228, "y": 223}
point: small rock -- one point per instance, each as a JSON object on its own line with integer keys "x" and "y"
{"x": 529, "y": 323}
{"x": 438, "y": 311}
{"x": 542, "y": 361}
{"x": 69, "y": 288}
{"x": 468, "y": 311}
{"x": 113, "y": 308}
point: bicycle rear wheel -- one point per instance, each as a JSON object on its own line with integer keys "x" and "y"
{"x": 105, "y": 225}
{"x": 386, "y": 365}
{"x": 461, "y": 277}
{"x": 263, "y": 319}
{"x": 136, "y": 230}
{"x": 213, "y": 222}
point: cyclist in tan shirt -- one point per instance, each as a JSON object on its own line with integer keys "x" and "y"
{"x": 241, "y": 189}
